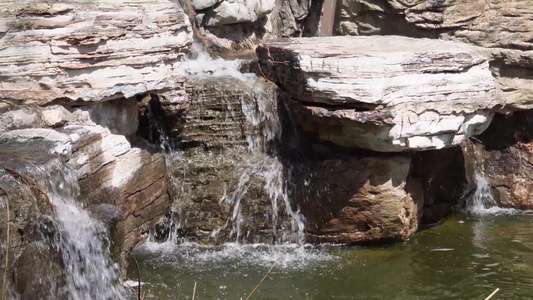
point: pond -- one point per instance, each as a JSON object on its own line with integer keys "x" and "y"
{"x": 464, "y": 257}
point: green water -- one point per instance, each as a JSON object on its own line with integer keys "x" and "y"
{"x": 465, "y": 257}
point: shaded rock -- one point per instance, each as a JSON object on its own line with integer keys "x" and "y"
{"x": 34, "y": 268}
{"x": 219, "y": 182}
{"x": 112, "y": 217}
{"x": 351, "y": 199}
{"x": 442, "y": 180}
{"x": 504, "y": 157}
{"x": 383, "y": 93}
{"x": 295, "y": 18}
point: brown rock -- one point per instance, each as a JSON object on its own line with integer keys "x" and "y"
{"x": 504, "y": 156}
{"x": 353, "y": 200}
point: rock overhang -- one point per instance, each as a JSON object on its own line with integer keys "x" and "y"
{"x": 383, "y": 93}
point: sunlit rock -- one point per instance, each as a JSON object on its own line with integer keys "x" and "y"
{"x": 384, "y": 94}
{"x": 238, "y": 11}
{"x": 83, "y": 51}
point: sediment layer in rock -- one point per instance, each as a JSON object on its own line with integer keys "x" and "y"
{"x": 383, "y": 93}
{"x": 89, "y": 51}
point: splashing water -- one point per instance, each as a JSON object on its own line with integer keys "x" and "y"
{"x": 262, "y": 129}
{"x": 482, "y": 201}
{"x": 89, "y": 271}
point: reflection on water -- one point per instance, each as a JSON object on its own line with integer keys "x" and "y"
{"x": 466, "y": 257}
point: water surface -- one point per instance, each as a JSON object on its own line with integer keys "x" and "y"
{"x": 465, "y": 257}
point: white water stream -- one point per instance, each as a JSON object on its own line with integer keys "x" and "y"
{"x": 89, "y": 271}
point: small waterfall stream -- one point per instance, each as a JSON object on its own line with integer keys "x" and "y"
{"x": 89, "y": 271}
{"x": 482, "y": 198}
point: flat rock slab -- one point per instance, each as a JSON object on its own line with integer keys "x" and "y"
{"x": 384, "y": 93}
{"x": 89, "y": 50}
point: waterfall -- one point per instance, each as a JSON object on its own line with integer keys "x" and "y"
{"x": 261, "y": 163}
{"x": 482, "y": 198}
{"x": 89, "y": 271}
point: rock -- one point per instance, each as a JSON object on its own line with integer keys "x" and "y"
{"x": 504, "y": 157}
{"x": 34, "y": 269}
{"x": 219, "y": 181}
{"x": 350, "y": 199}
{"x": 502, "y": 27}
{"x": 383, "y": 93}
{"x": 112, "y": 217}
{"x": 90, "y": 51}
{"x": 120, "y": 116}
{"x": 238, "y": 11}
{"x": 203, "y": 4}
{"x": 109, "y": 171}
{"x": 441, "y": 178}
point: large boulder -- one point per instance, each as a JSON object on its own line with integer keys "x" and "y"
{"x": 90, "y": 51}
{"x": 384, "y": 94}
{"x": 238, "y": 11}
{"x": 349, "y": 199}
{"x": 502, "y": 27}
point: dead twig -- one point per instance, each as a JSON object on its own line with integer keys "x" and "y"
{"x": 7, "y": 250}
{"x": 266, "y": 275}
{"x": 493, "y": 293}
{"x": 138, "y": 277}
{"x": 194, "y": 291}
{"x": 263, "y": 73}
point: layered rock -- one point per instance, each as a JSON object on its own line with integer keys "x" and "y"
{"x": 72, "y": 77}
{"x": 503, "y": 27}
{"x": 221, "y": 182}
{"x": 110, "y": 171}
{"x": 89, "y": 51}
{"x": 383, "y": 93}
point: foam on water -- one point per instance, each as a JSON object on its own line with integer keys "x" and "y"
{"x": 199, "y": 64}
{"x": 234, "y": 255}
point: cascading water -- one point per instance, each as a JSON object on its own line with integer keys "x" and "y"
{"x": 262, "y": 129}
{"x": 482, "y": 198}
{"x": 89, "y": 270}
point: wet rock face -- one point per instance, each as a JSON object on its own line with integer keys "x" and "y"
{"x": 504, "y": 156}
{"x": 385, "y": 94}
{"x": 110, "y": 171}
{"x": 28, "y": 237}
{"x": 73, "y": 75}
{"x": 218, "y": 181}
{"x": 356, "y": 198}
